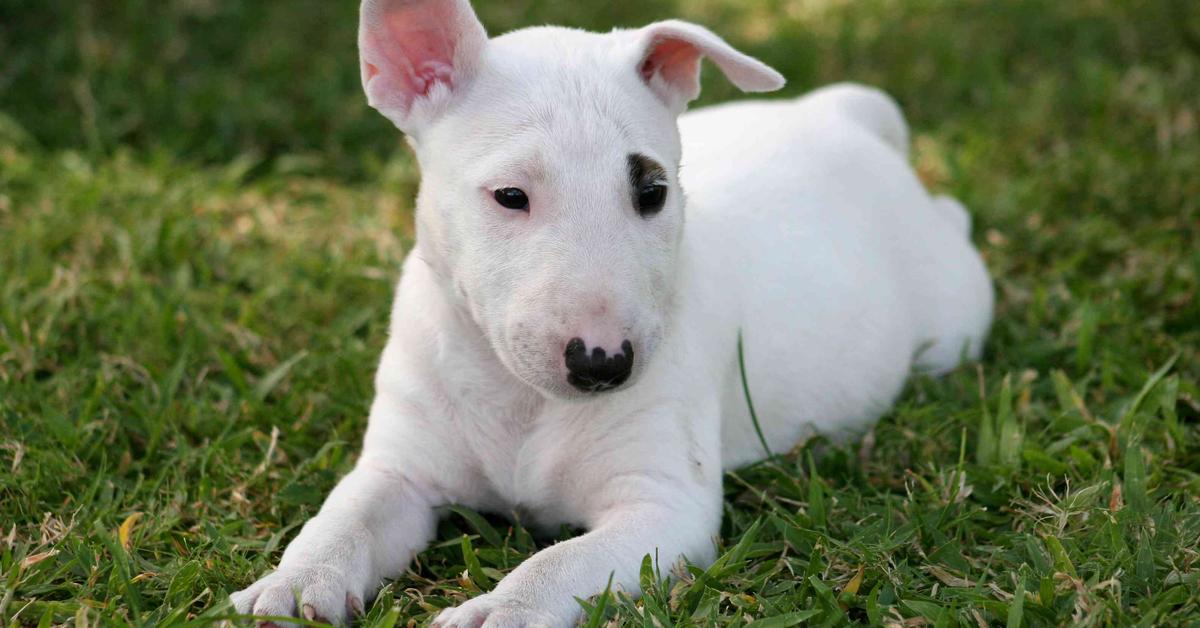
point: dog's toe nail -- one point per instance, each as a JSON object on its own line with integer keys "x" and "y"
{"x": 354, "y": 604}
{"x": 310, "y": 613}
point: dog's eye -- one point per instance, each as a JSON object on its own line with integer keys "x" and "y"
{"x": 512, "y": 198}
{"x": 650, "y": 198}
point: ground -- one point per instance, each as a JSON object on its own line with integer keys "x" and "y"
{"x": 201, "y": 224}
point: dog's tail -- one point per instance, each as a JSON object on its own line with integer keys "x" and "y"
{"x": 873, "y": 109}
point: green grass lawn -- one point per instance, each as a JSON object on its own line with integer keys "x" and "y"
{"x": 201, "y": 223}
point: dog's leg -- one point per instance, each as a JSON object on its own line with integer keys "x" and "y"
{"x": 650, "y": 484}
{"x": 371, "y": 525}
{"x": 542, "y": 590}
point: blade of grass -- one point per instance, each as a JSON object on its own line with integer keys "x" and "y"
{"x": 749, "y": 400}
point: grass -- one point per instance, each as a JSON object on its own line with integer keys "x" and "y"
{"x": 201, "y": 224}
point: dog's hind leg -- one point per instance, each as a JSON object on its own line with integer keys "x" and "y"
{"x": 869, "y": 107}
{"x": 950, "y": 209}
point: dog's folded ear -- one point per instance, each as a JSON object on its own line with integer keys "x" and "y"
{"x": 669, "y": 62}
{"x": 414, "y": 54}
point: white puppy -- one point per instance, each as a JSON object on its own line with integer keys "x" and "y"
{"x": 564, "y": 338}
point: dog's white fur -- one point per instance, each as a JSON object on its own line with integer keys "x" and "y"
{"x": 806, "y": 231}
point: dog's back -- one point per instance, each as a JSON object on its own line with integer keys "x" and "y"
{"x": 845, "y": 271}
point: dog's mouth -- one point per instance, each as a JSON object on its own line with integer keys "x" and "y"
{"x": 590, "y": 385}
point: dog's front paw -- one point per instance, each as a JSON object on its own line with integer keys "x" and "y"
{"x": 495, "y": 611}
{"x": 314, "y": 593}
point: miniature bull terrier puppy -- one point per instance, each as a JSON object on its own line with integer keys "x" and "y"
{"x": 564, "y": 338}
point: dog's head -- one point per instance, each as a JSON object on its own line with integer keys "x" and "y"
{"x": 550, "y": 202}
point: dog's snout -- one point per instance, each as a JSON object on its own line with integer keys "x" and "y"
{"x": 597, "y": 371}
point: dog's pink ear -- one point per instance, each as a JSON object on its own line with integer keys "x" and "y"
{"x": 415, "y": 53}
{"x": 670, "y": 62}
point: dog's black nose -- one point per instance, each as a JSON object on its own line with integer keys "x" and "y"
{"x": 597, "y": 372}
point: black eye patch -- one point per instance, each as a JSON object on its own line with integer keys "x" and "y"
{"x": 648, "y": 181}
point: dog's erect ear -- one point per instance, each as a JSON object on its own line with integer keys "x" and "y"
{"x": 415, "y": 53}
{"x": 670, "y": 62}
